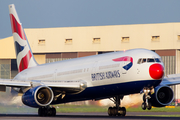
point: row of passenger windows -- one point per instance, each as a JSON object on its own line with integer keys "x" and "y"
{"x": 143, "y": 60}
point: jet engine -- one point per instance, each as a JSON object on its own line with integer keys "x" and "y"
{"x": 38, "y": 96}
{"x": 162, "y": 96}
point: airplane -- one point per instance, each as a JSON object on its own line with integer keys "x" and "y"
{"x": 110, "y": 75}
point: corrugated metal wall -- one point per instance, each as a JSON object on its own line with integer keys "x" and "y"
{"x": 5, "y": 68}
{"x": 170, "y": 68}
{"x": 65, "y": 56}
{"x": 169, "y": 64}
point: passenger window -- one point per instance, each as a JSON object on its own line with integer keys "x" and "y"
{"x": 144, "y": 60}
{"x": 157, "y": 60}
{"x": 150, "y": 60}
{"x": 139, "y": 61}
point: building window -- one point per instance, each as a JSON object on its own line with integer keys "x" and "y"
{"x": 178, "y": 37}
{"x": 68, "y": 41}
{"x": 96, "y": 40}
{"x": 41, "y": 42}
{"x": 155, "y": 38}
{"x": 125, "y": 39}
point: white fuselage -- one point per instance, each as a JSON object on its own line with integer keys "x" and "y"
{"x": 98, "y": 70}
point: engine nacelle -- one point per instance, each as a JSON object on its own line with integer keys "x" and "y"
{"x": 163, "y": 95}
{"x": 38, "y": 96}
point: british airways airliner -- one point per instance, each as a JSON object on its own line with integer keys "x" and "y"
{"x": 111, "y": 75}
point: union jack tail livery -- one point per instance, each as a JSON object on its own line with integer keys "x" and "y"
{"x": 24, "y": 54}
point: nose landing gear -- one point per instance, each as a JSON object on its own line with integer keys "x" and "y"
{"x": 117, "y": 111}
{"x": 147, "y": 104}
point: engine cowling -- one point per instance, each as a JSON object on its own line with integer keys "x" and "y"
{"x": 163, "y": 95}
{"x": 38, "y": 96}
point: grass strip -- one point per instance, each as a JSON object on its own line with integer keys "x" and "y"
{"x": 160, "y": 115}
{"x": 162, "y": 109}
{"x": 91, "y": 108}
{"x": 80, "y": 108}
{"x": 64, "y": 108}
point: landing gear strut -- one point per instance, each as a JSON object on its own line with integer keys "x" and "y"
{"x": 117, "y": 111}
{"x": 146, "y": 97}
{"x": 47, "y": 111}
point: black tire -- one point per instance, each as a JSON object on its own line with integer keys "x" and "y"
{"x": 49, "y": 113}
{"x": 120, "y": 111}
{"x": 53, "y": 111}
{"x": 40, "y": 111}
{"x": 45, "y": 112}
{"x": 143, "y": 106}
{"x": 149, "y": 106}
{"x": 124, "y": 111}
{"x": 114, "y": 111}
{"x": 110, "y": 111}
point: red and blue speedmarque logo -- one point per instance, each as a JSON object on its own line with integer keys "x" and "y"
{"x": 125, "y": 58}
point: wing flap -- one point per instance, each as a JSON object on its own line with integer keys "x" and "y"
{"x": 15, "y": 83}
{"x": 68, "y": 86}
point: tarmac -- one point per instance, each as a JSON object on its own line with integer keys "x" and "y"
{"x": 93, "y": 116}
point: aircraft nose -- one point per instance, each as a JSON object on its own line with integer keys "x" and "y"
{"x": 156, "y": 71}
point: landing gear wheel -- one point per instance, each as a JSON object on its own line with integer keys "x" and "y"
{"x": 149, "y": 106}
{"x": 117, "y": 111}
{"x": 122, "y": 111}
{"x": 40, "y": 112}
{"x": 114, "y": 111}
{"x": 50, "y": 112}
{"x": 46, "y": 111}
{"x": 110, "y": 111}
{"x": 143, "y": 106}
{"x": 53, "y": 111}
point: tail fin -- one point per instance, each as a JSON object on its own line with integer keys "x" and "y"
{"x": 24, "y": 56}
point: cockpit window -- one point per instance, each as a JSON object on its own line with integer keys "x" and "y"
{"x": 157, "y": 59}
{"x": 139, "y": 61}
{"x": 150, "y": 60}
{"x": 144, "y": 60}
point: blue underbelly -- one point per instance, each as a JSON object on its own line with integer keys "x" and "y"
{"x": 107, "y": 91}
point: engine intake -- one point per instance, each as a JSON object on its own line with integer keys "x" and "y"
{"x": 38, "y": 96}
{"x": 162, "y": 96}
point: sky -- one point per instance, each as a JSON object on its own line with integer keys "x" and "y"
{"x": 75, "y": 13}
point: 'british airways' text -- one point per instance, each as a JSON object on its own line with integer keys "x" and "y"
{"x": 105, "y": 75}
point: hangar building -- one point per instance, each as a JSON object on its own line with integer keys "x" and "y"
{"x": 56, "y": 44}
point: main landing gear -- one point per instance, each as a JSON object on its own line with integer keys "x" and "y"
{"x": 47, "y": 111}
{"x": 147, "y": 104}
{"x": 117, "y": 111}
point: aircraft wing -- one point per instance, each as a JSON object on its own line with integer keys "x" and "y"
{"x": 70, "y": 86}
{"x": 172, "y": 79}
